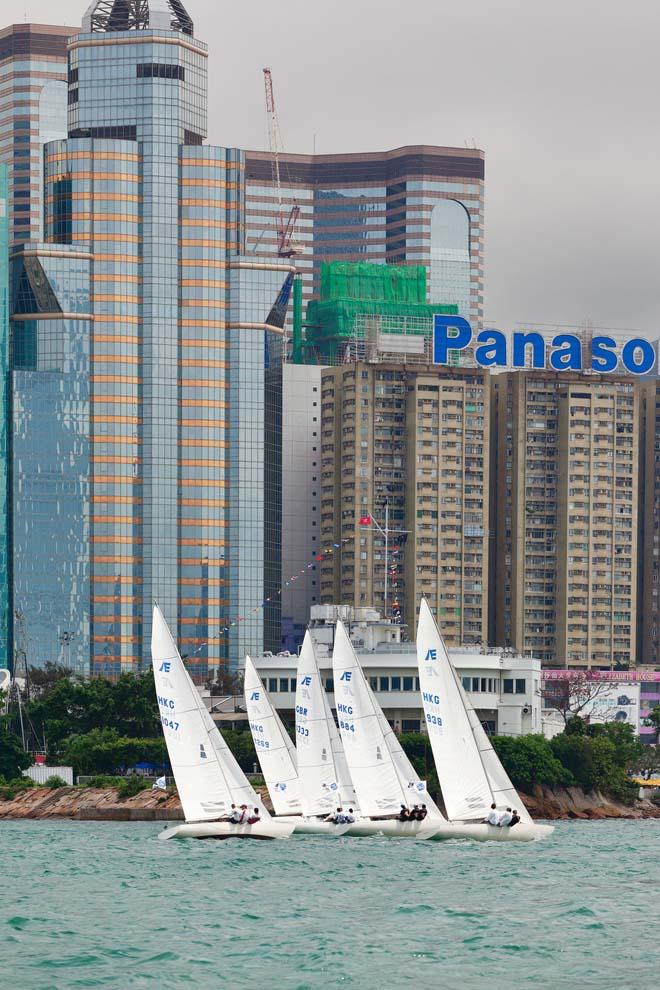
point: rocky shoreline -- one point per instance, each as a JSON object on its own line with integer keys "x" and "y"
{"x": 104, "y": 804}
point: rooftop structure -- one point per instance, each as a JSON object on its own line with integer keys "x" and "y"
{"x": 416, "y": 205}
{"x": 367, "y": 310}
{"x": 137, "y": 15}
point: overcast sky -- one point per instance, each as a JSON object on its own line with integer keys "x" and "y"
{"x": 562, "y": 97}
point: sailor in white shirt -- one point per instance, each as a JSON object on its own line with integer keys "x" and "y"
{"x": 493, "y": 816}
{"x": 506, "y": 818}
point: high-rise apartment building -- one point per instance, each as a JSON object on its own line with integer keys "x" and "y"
{"x": 407, "y": 442}
{"x": 33, "y": 110}
{"x": 5, "y": 625}
{"x": 648, "y": 611}
{"x": 418, "y": 205}
{"x": 301, "y": 490}
{"x": 146, "y": 368}
{"x": 564, "y": 496}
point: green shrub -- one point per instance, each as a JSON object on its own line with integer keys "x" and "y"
{"x": 128, "y": 787}
{"x": 102, "y": 780}
{"x": 55, "y": 781}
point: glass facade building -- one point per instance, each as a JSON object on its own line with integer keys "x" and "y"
{"x": 166, "y": 324}
{"x": 33, "y": 110}
{"x": 416, "y": 205}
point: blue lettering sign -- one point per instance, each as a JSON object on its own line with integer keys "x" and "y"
{"x": 431, "y": 655}
{"x": 450, "y": 333}
{"x": 492, "y": 349}
{"x": 434, "y": 699}
{"x": 346, "y": 676}
{"x": 564, "y": 350}
{"x": 254, "y": 696}
{"x": 306, "y": 681}
{"x": 166, "y": 665}
{"x": 346, "y": 709}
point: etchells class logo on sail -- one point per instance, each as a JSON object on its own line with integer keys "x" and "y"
{"x": 431, "y": 656}
{"x": 564, "y": 352}
{"x": 254, "y": 696}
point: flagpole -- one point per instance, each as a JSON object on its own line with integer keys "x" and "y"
{"x": 387, "y": 546}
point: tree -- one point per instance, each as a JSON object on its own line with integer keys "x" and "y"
{"x": 70, "y": 706}
{"x": 43, "y": 679}
{"x": 105, "y": 751}
{"x": 529, "y": 760}
{"x": 574, "y": 695}
{"x": 13, "y": 758}
{"x": 227, "y": 684}
{"x": 653, "y": 719}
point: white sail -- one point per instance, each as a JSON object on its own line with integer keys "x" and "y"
{"x": 500, "y": 789}
{"x": 325, "y": 782}
{"x": 276, "y": 752}
{"x": 207, "y": 776}
{"x": 372, "y": 770}
{"x": 465, "y": 786}
{"x": 504, "y": 793}
{"x": 408, "y": 776}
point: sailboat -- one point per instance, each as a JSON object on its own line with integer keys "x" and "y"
{"x": 383, "y": 782}
{"x": 208, "y": 778}
{"x": 469, "y": 770}
{"x": 278, "y": 759}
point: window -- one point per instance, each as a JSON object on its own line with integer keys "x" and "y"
{"x": 484, "y": 684}
{"x": 507, "y": 685}
{"x": 396, "y": 683}
{"x": 373, "y": 683}
{"x": 467, "y": 683}
{"x": 520, "y": 685}
{"x": 384, "y": 683}
{"x": 410, "y": 725}
{"x": 329, "y": 685}
{"x": 408, "y": 684}
{"x": 152, "y": 70}
{"x": 272, "y": 684}
{"x": 475, "y": 684}
{"x": 284, "y": 684}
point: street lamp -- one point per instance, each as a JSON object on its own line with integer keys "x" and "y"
{"x": 65, "y": 641}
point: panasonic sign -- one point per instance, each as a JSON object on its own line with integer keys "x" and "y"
{"x": 564, "y": 352}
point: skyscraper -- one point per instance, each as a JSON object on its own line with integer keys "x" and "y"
{"x": 155, "y": 348}
{"x": 33, "y": 100}
{"x": 419, "y": 205}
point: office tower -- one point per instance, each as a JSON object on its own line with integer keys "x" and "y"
{"x": 417, "y": 205}
{"x": 648, "y": 610}
{"x": 564, "y": 485}
{"x": 154, "y": 345}
{"x": 407, "y": 443}
{"x": 33, "y": 110}
{"x": 5, "y": 601}
{"x": 301, "y": 490}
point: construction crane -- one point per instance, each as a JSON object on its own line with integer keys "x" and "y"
{"x": 286, "y": 229}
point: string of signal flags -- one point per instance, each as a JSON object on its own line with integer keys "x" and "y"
{"x": 319, "y": 556}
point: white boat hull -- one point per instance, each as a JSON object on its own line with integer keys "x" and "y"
{"x": 313, "y": 826}
{"x": 266, "y": 829}
{"x": 522, "y": 832}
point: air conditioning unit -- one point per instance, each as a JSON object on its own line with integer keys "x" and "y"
{"x": 527, "y": 710}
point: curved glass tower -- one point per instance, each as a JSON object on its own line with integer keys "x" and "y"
{"x": 170, "y": 311}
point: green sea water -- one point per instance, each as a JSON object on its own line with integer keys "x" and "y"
{"x": 107, "y": 905}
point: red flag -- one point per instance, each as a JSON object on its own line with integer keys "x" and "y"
{"x": 365, "y": 520}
